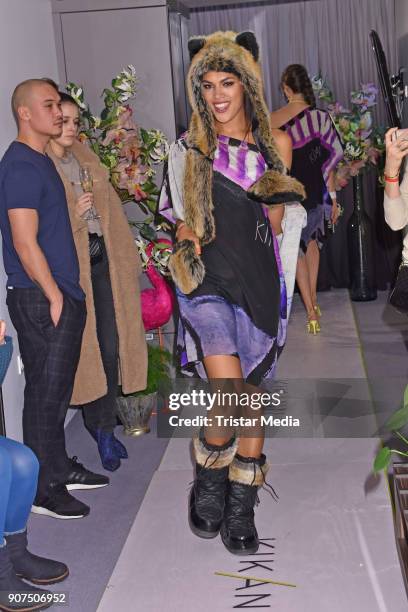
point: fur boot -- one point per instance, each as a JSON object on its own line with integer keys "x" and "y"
{"x": 238, "y": 531}
{"x": 207, "y": 495}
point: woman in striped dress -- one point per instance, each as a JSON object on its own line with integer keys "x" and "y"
{"x": 316, "y": 152}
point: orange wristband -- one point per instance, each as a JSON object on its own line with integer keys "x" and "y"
{"x": 391, "y": 179}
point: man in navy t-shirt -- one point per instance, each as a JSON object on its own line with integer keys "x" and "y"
{"x": 45, "y": 300}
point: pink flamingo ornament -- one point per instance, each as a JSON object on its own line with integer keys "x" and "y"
{"x": 157, "y": 302}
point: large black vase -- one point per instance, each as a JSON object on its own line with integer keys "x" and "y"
{"x": 360, "y": 237}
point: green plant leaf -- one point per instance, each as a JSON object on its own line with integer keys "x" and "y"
{"x": 406, "y": 396}
{"x": 148, "y": 220}
{"x": 144, "y": 135}
{"x": 398, "y": 420}
{"x": 382, "y": 459}
{"x": 158, "y": 374}
{"x": 162, "y": 245}
{"x": 147, "y": 232}
{"x": 148, "y": 187}
{"x": 150, "y": 205}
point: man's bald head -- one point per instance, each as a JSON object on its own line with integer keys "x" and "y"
{"x": 36, "y": 106}
{"x": 24, "y": 93}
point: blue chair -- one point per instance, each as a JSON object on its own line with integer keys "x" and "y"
{"x": 6, "y": 351}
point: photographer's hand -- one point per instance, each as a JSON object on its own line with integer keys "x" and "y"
{"x": 396, "y": 149}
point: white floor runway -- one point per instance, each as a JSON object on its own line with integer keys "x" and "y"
{"x": 330, "y": 534}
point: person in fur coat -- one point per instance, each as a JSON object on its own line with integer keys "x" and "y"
{"x": 223, "y": 175}
{"x": 114, "y": 337}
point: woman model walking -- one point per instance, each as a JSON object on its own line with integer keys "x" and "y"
{"x": 316, "y": 152}
{"x": 230, "y": 289}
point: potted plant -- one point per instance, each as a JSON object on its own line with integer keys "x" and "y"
{"x": 363, "y": 146}
{"x": 363, "y": 143}
{"x": 398, "y": 421}
{"x": 135, "y": 409}
{"x": 130, "y": 152}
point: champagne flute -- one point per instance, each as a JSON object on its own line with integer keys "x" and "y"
{"x": 85, "y": 176}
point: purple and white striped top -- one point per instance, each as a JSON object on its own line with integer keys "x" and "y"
{"x": 311, "y": 124}
{"x": 239, "y": 161}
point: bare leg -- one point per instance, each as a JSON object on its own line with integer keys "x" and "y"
{"x": 312, "y": 261}
{"x": 233, "y": 486}
{"x": 303, "y": 281}
{"x": 228, "y": 366}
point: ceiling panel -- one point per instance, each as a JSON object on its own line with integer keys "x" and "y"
{"x": 194, "y": 4}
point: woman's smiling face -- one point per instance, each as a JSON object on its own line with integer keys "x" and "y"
{"x": 224, "y": 94}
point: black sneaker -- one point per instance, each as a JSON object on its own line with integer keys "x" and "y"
{"x": 59, "y": 504}
{"x": 81, "y": 478}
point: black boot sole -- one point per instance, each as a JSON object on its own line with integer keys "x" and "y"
{"x": 241, "y": 552}
{"x": 44, "y": 580}
{"x": 84, "y": 487}
{"x": 250, "y": 550}
{"x": 206, "y": 535}
{"x": 47, "y": 512}
{"x": 41, "y": 606}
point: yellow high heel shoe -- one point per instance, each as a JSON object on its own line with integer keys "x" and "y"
{"x": 313, "y": 326}
{"x": 317, "y": 310}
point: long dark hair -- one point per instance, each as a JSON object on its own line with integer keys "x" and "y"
{"x": 295, "y": 76}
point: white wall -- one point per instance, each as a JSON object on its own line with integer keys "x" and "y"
{"x": 27, "y": 49}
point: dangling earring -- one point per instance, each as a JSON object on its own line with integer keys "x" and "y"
{"x": 288, "y": 98}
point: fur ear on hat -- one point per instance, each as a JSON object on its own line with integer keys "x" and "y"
{"x": 195, "y": 44}
{"x": 249, "y": 42}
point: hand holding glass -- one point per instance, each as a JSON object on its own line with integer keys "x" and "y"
{"x": 85, "y": 176}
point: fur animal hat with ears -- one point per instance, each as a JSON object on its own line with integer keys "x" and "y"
{"x": 236, "y": 53}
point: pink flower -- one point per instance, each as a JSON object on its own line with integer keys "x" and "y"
{"x": 122, "y": 165}
{"x": 137, "y": 172}
{"x": 114, "y": 135}
{"x": 130, "y": 173}
{"x": 135, "y": 190}
{"x": 122, "y": 174}
{"x": 125, "y": 118}
{"x": 131, "y": 146}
